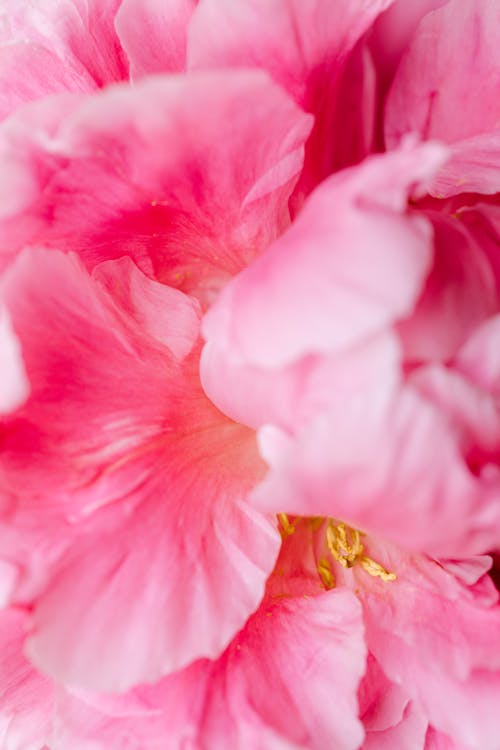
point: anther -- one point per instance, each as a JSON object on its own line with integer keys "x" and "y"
{"x": 287, "y": 527}
{"x": 326, "y": 573}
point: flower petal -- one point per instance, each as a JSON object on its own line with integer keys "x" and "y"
{"x": 153, "y": 33}
{"x": 325, "y": 284}
{"x": 448, "y": 657}
{"x": 304, "y": 46}
{"x": 460, "y": 293}
{"x": 26, "y": 698}
{"x": 102, "y": 177}
{"x": 385, "y": 462}
{"x": 450, "y": 98}
{"x": 74, "y": 42}
{"x": 15, "y": 386}
{"x": 171, "y": 581}
{"x": 127, "y": 486}
{"x": 251, "y": 696}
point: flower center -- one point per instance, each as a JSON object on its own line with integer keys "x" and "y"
{"x": 344, "y": 547}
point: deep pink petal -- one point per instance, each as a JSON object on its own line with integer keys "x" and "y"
{"x": 453, "y": 98}
{"x": 77, "y": 421}
{"x": 153, "y": 33}
{"x": 101, "y": 176}
{"x": 127, "y": 486}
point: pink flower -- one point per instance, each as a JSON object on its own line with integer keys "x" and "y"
{"x": 276, "y": 537}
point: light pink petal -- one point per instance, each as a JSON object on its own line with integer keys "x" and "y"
{"x": 102, "y": 177}
{"x": 14, "y": 388}
{"x": 450, "y": 98}
{"x": 385, "y": 462}
{"x": 479, "y": 358}
{"x": 36, "y": 714}
{"x": 91, "y": 721}
{"x": 163, "y": 585}
{"x": 408, "y": 734}
{"x": 305, "y": 47}
{"x": 290, "y": 396}
{"x": 435, "y": 740}
{"x": 470, "y": 569}
{"x": 153, "y": 33}
{"x": 473, "y": 167}
{"x": 460, "y": 292}
{"x": 351, "y": 264}
{"x": 26, "y": 698}
{"x": 447, "y": 657}
{"x": 56, "y": 46}
{"x": 294, "y": 38}
{"x": 393, "y": 30}
{"x": 382, "y": 703}
{"x": 287, "y": 680}
{"x": 319, "y": 639}
{"x": 255, "y": 696}
{"x": 471, "y": 411}
{"x": 482, "y": 220}
{"x": 47, "y": 75}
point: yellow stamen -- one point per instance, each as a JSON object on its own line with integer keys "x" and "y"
{"x": 287, "y": 527}
{"x": 343, "y": 543}
{"x": 376, "y": 569}
{"x": 326, "y": 573}
{"x": 316, "y": 522}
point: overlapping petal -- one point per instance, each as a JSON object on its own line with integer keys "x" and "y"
{"x": 153, "y": 34}
{"x": 451, "y": 97}
{"x": 15, "y": 386}
{"x": 140, "y": 481}
{"x": 460, "y": 293}
{"x": 306, "y": 47}
{"x": 139, "y": 173}
{"x": 26, "y": 698}
{"x": 330, "y": 280}
{"x": 447, "y": 658}
{"x": 57, "y": 46}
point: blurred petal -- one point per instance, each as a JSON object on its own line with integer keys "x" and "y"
{"x": 15, "y": 385}
{"x": 305, "y": 47}
{"x": 153, "y": 33}
{"x": 451, "y": 97}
